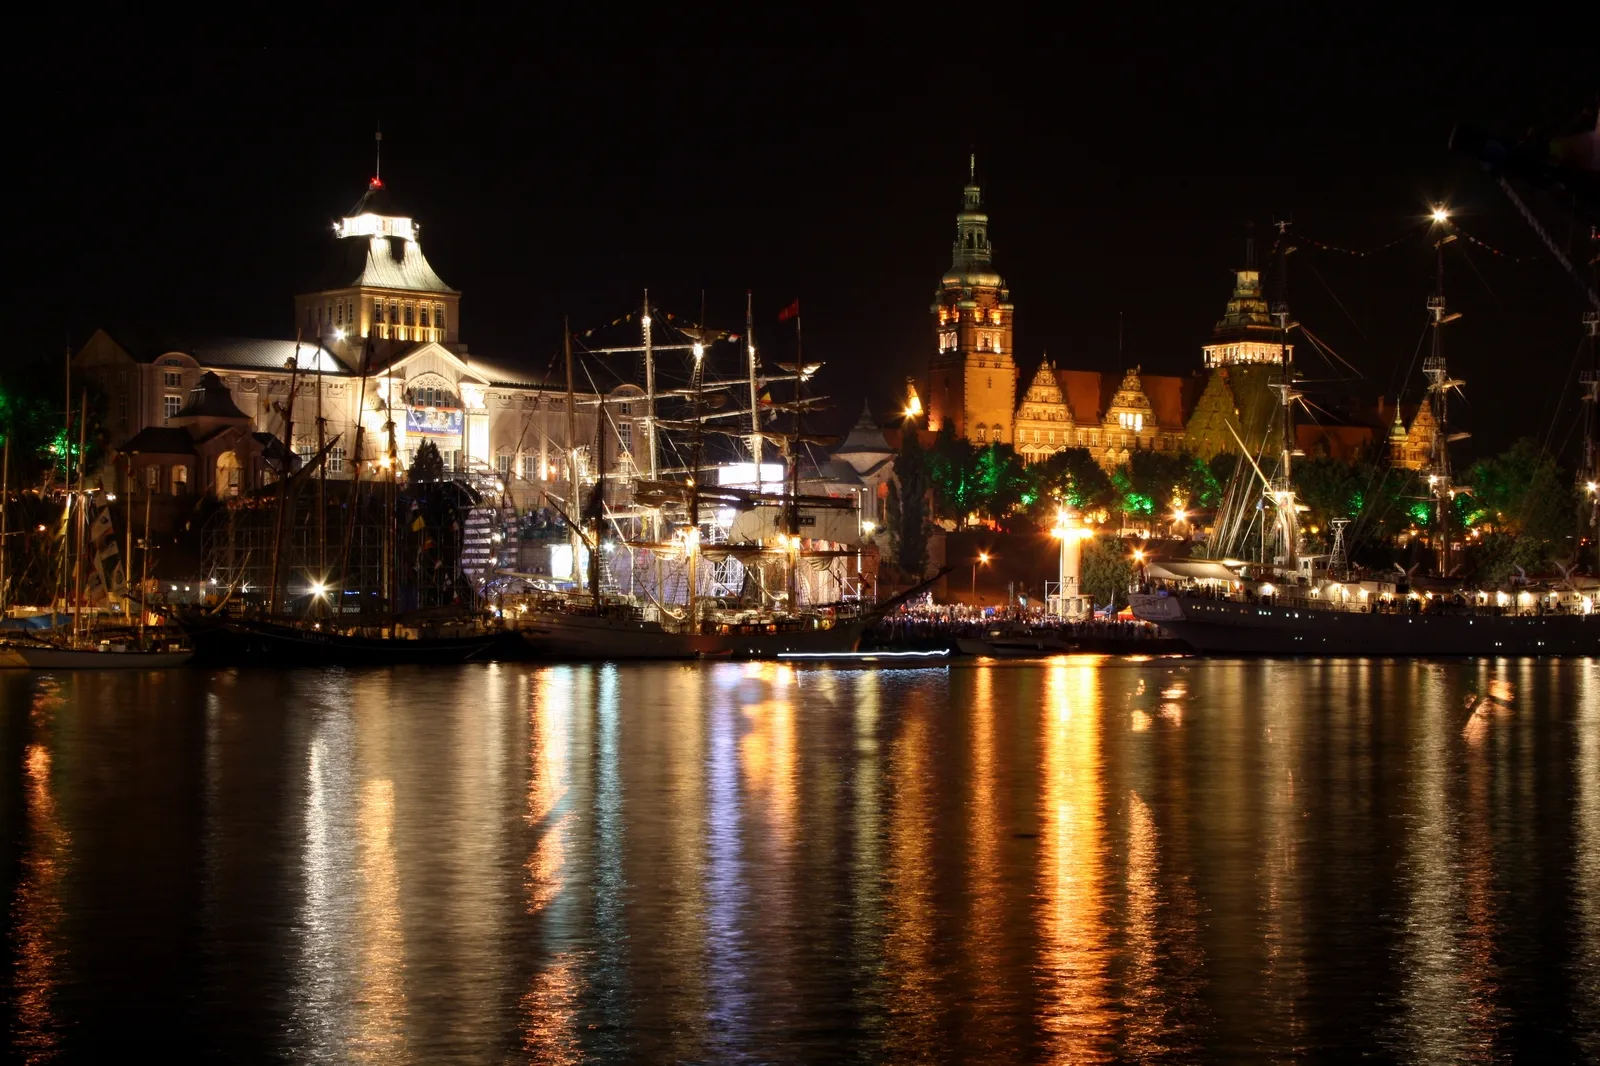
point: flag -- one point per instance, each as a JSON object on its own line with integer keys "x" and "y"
{"x": 101, "y": 526}
{"x": 792, "y": 311}
{"x": 416, "y": 524}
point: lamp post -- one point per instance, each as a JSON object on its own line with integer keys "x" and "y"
{"x": 983, "y": 557}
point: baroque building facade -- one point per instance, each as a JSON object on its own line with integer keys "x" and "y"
{"x": 379, "y": 350}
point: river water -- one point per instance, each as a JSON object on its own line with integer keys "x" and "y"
{"x": 1077, "y": 860}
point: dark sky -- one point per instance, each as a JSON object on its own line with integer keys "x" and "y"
{"x": 194, "y": 193}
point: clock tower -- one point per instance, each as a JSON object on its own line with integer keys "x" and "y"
{"x": 973, "y": 373}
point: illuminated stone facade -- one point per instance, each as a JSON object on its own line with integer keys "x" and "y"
{"x": 381, "y": 307}
{"x": 1112, "y": 418}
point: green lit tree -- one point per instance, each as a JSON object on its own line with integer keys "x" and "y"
{"x": 1106, "y": 570}
{"x": 952, "y": 466}
{"x": 1070, "y": 476}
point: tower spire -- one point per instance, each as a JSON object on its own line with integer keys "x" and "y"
{"x": 377, "y": 162}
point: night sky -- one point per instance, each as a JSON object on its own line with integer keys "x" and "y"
{"x": 195, "y": 194}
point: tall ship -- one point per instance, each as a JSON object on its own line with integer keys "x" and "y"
{"x": 718, "y": 551}
{"x": 1303, "y": 605}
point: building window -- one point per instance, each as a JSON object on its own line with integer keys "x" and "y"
{"x": 336, "y": 460}
{"x": 122, "y": 409}
{"x": 502, "y": 465}
{"x": 625, "y": 435}
{"x": 173, "y": 379}
{"x": 438, "y": 317}
{"x": 180, "y": 480}
{"x": 411, "y": 315}
{"x": 377, "y": 312}
{"x": 170, "y": 405}
{"x": 152, "y": 478}
{"x": 530, "y": 467}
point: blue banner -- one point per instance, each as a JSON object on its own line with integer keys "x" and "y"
{"x": 433, "y": 421}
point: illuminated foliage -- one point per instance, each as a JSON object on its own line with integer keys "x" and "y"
{"x": 1106, "y": 570}
{"x": 1069, "y": 476}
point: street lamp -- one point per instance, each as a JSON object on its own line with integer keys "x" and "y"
{"x": 983, "y": 557}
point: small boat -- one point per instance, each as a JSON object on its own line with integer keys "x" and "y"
{"x": 1015, "y": 641}
{"x": 106, "y": 655}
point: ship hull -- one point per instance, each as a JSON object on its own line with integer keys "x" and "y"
{"x": 1232, "y": 628}
{"x": 266, "y": 644}
{"x": 39, "y": 657}
{"x": 580, "y": 636}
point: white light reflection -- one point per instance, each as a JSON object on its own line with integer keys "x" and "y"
{"x": 1586, "y": 860}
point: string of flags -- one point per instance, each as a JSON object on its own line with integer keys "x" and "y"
{"x": 1351, "y": 251}
{"x": 1486, "y": 246}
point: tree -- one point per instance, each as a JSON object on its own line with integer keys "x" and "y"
{"x": 428, "y": 464}
{"x": 1071, "y": 476}
{"x": 952, "y": 472}
{"x": 1106, "y": 570}
{"x": 1530, "y": 506}
{"x": 1002, "y": 481}
{"x": 911, "y": 476}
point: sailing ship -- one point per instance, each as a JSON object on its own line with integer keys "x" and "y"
{"x": 78, "y": 644}
{"x": 672, "y": 516}
{"x": 321, "y": 633}
{"x": 1295, "y": 608}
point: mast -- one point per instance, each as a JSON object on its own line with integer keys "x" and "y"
{"x": 649, "y": 389}
{"x": 144, "y": 563}
{"x": 791, "y": 557}
{"x": 322, "y": 490}
{"x": 391, "y": 537}
{"x": 1283, "y": 488}
{"x": 599, "y": 499}
{"x": 66, "y": 484}
{"x": 283, "y": 478}
{"x": 1589, "y": 475}
{"x": 1439, "y": 386}
{"x": 572, "y": 447}
{"x": 755, "y": 408}
{"x": 691, "y": 543}
{"x": 80, "y": 524}
{"x": 355, "y": 476}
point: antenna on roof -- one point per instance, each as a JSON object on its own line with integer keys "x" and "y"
{"x": 377, "y": 165}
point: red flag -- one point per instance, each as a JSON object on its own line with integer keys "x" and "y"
{"x": 792, "y": 311}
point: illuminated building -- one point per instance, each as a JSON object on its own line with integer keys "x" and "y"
{"x": 973, "y": 374}
{"x": 379, "y": 307}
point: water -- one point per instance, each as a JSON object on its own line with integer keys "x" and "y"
{"x": 1079, "y": 860}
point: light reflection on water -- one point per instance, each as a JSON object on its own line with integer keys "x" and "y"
{"x": 1078, "y": 860}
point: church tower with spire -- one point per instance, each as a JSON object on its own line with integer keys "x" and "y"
{"x": 973, "y": 372}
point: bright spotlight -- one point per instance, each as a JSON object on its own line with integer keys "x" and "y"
{"x": 1440, "y": 214}
{"x": 318, "y": 589}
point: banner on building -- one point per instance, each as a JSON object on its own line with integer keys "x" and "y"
{"x": 433, "y": 421}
